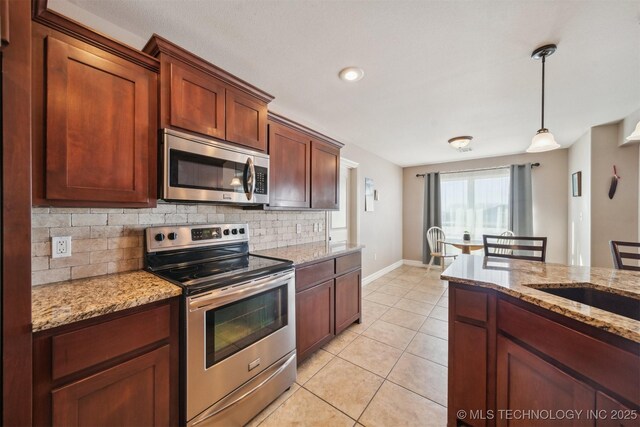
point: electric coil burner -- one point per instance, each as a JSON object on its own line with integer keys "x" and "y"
{"x": 238, "y": 320}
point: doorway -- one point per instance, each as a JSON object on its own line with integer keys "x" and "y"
{"x": 342, "y": 225}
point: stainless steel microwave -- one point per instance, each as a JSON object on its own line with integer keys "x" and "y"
{"x": 203, "y": 170}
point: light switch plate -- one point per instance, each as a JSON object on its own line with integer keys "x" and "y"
{"x": 60, "y": 247}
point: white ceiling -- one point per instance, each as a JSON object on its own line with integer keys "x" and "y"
{"x": 433, "y": 69}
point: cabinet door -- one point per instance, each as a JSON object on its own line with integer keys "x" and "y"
{"x": 197, "y": 101}
{"x": 246, "y": 120}
{"x": 4, "y": 23}
{"x": 314, "y": 318}
{"x": 133, "y": 393}
{"x": 325, "y": 175}
{"x": 527, "y": 382}
{"x": 290, "y": 162}
{"x": 99, "y": 126}
{"x": 612, "y": 413}
{"x": 347, "y": 300}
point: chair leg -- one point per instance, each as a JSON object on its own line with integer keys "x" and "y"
{"x": 430, "y": 263}
{"x": 442, "y": 263}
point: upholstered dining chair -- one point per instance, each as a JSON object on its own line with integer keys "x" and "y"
{"x": 437, "y": 249}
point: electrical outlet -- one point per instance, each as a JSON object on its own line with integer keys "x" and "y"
{"x": 320, "y": 227}
{"x": 315, "y": 227}
{"x": 60, "y": 247}
{"x": 298, "y": 228}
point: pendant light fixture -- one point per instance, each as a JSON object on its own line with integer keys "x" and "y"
{"x": 543, "y": 140}
{"x": 460, "y": 142}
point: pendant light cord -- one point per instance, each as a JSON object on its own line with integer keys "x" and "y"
{"x": 542, "y": 120}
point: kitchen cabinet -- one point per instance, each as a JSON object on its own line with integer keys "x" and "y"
{"x": 199, "y": 97}
{"x": 328, "y": 300}
{"x": 305, "y": 167}
{"x": 116, "y": 369}
{"x": 4, "y": 23}
{"x": 507, "y": 354}
{"x": 94, "y": 121}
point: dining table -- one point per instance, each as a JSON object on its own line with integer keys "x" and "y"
{"x": 466, "y": 246}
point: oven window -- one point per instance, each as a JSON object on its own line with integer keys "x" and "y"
{"x": 188, "y": 170}
{"x": 235, "y": 326}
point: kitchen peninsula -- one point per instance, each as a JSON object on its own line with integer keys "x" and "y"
{"x": 513, "y": 344}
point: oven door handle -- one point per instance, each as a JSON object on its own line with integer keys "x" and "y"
{"x": 249, "y": 178}
{"x": 218, "y": 298}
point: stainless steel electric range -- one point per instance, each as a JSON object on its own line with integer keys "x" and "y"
{"x": 238, "y": 341}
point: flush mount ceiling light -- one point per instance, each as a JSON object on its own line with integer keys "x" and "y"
{"x": 460, "y": 142}
{"x": 635, "y": 135}
{"x": 543, "y": 140}
{"x": 351, "y": 74}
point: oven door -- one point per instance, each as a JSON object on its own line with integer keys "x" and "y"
{"x": 198, "y": 169}
{"x": 235, "y": 333}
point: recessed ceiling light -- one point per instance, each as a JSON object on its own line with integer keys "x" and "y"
{"x": 351, "y": 74}
{"x": 460, "y": 142}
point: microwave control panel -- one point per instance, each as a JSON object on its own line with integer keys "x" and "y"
{"x": 261, "y": 180}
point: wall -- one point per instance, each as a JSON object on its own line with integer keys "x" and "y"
{"x": 579, "y": 217}
{"x": 111, "y": 240}
{"x": 615, "y": 219}
{"x": 380, "y": 230}
{"x": 549, "y": 199}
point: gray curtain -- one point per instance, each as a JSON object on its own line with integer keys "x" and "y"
{"x": 431, "y": 212}
{"x": 520, "y": 200}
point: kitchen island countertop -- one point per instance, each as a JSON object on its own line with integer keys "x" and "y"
{"x": 519, "y": 279}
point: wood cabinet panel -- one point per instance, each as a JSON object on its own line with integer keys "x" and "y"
{"x": 325, "y": 175}
{"x": 4, "y": 23}
{"x": 611, "y": 413}
{"x": 246, "y": 120}
{"x": 527, "y": 382}
{"x": 348, "y": 262}
{"x": 307, "y": 277}
{"x": 197, "y": 101}
{"x": 133, "y": 393}
{"x": 290, "y": 167}
{"x": 315, "y": 318}
{"x": 471, "y": 304}
{"x": 348, "y": 301}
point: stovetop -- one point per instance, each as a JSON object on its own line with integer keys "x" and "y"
{"x": 204, "y": 257}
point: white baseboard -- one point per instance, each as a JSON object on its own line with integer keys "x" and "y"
{"x": 370, "y": 278}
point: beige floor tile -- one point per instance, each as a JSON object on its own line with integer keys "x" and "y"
{"x": 381, "y": 298}
{"x": 440, "y": 313}
{"x": 359, "y": 328}
{"x": 443, "y": 302}
{"x": 432, "y": 284}
{"x": 390, "y": 334}
{"x": 396, "y": 406}
{"x": 346, "y": 386}
{"x": 392, "y": 274}
{"x": 377, "y": 283}
{"x": 421, "y": 376}
{"x": 411, "y": 278}
{"x": 403, "y": 318}
{"x": 398, "y": 283}
{"x": 429, "y": 347}
{"x": 338, "y": 344}
{"x": 393, "y": 290}
{"x": 418, "y": 307}
{"x": 366, "y": 291}
{"x": 435, "y": 327}
{"x": 273, "y": 406}
{"x": 372, "y": 355}
{"x": 305, "y": 409}
{"x": 431, "y": 298}
{"x": 373, "y": 310}
{"x": 312, "y": 365}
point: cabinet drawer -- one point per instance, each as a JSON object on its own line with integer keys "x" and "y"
{"x": 471, "y": 304}
{"x": 313, "y": 274}
{"x": 83, "y": 348}
{"x": 348, "y": 262}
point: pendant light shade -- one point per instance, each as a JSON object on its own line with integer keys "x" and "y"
{"x": 635, "y": 135}
{"x": 460, "y": 142}
{"x": 543, "y": 139}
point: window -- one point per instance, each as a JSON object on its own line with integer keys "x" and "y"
{"x": 476, "y": 201}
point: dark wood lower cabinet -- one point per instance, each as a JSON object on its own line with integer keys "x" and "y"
{"x": 348, "y": 301}
{"x": 314, "y": 318}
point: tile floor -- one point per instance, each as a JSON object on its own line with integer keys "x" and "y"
{"x": 390, "y": 370}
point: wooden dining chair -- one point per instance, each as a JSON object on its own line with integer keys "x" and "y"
{"x": 505, "y": 242}
{"x": 515, "y": 247}
{"x": 437, "y": 249}
{"x": 619, "y": 256}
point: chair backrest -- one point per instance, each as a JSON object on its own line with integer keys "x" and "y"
{"x": 435, "y": 235}
{"x": 619, "y": 257}
{"x": 505, "y": 242}
{"x": 517, "y": 247}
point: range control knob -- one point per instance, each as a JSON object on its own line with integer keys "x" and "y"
{"x": 234, "y": 231}
{"x": 159, "y": 237}
{"x": 242, "y": 231}
{"x": 226, "y": 232}
{"x": 172, "y": 236}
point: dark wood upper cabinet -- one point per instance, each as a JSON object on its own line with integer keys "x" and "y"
{"x": 290, "y": 167}
{"x": 325, "y": 175}
{"x": 94, "y": 119}
{"x": 197, "y": 96}
{"x": 197, "y": 101}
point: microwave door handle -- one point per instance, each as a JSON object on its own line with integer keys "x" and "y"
{"x": 249, "y": 178}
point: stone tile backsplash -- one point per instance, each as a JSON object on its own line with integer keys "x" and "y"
{"x": 111, "y": 240}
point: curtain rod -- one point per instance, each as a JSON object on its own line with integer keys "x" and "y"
{"x": 421, "y": 175}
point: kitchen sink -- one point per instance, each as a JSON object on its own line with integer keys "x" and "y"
{"x": 608, "y": 301}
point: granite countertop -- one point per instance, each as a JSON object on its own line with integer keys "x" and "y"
{"x": 520, "y": 278}
{"x": 310, "y": 252}
{"x": 61, "y": 303}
